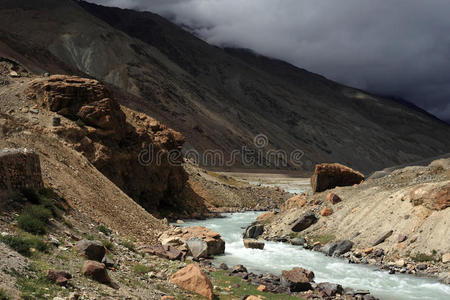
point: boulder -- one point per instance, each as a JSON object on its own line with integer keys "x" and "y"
{"x": 96, "y": 271}
{"x": 298, "y": 241}
{"x": 297, "y": 279}
{"x": 58, "y": 277}
{"x": 193, "y": 279}
{"x": 337, "y": 248}
{"x": 197, "y": 247}
{"x": 330, "y": 289}
{"x": 303, "y": 222}
{"x": 165, "y": 251}
{"x": 93, "y": 250}
{"x": 254, "y": 231}
{"x": 253, "y": 244}
{"x": 297, "y": 201}
{"x": 382, "y": 238}
{"x": 326, "y": 211}
{"x": 239, "y": 269}
{"x": 328, "y": 176}
{"x": 333, "y": 198}
{"x": 215, "y": 244}
{"x": 434, "y": 196}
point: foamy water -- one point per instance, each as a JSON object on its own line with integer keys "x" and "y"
{"x": 279, "y": 256}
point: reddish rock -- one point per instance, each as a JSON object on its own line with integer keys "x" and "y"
{"x": 434, "y": 196}
{"x": 127, "y": 151}
{"x": 193, "y": 279}
{"x": 298, "y": 201}
{"x": 253, "y": 244}
{"x": 297, "y": 279}
{"x": 328, "y": 176}
{"x": 58, "y": 277}
{"x": 326, "y": 211}
{"x": 96, "y": 271}
{"x": 262, "y": 288}
{"x": 333, "y": 198}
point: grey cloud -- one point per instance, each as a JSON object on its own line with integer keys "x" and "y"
{"x": 398, "y": 47}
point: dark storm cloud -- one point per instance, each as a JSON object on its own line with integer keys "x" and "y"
{"x": 397, "y": 47}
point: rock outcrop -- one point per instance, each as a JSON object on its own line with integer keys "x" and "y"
{"x": 432, "y": 196}
{"x": 138, "y": 154}
{"x": 193, "y": 279}
{"x": 19, "y": 169}
{"x": 328, "y": 176}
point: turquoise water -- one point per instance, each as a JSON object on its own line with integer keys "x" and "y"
{"x": 280, "y": 256}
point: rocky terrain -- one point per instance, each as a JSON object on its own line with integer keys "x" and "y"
{"x": 218, "y": 99}
{"x": 397, "y": 221}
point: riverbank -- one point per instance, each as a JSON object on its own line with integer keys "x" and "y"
{"x": 278, "y": 256}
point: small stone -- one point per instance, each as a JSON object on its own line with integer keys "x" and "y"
{"x": 262, "y": 288}
{"x": 180, "y": 222}
{"x": 239, "y": 269}
{"x": 73, "y": 296}
{"x": 368, "y": 250}
{"x": 14, "y": 74}
{"x": 446, "y": 258}
{"x": 223, "y": 266}
{"x": 333, "y": 198}
{"x": 168, "y": 298}
{"x": 383, "y": 237}
{"x": 400, "y": 263}
{"x": 326, "y": 211}
{"x": 401, "y": 238}
{"x": 34, "y": 111}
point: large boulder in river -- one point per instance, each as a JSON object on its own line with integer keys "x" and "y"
{"x": 253, "y": 244}
{"x": 214, "y": 243}
{"x": 303, "y": 222}
{"x": 297, "y": 280}
{"x": 253, "y": 231}
{"x": 328, "y": 176}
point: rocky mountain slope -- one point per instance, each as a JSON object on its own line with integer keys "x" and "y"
{"x": 217, "y": 98}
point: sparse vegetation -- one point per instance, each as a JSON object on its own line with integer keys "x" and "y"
{"x": 129, "y": 244}
{"x": 23, "y": 245}
{"x": 323, "y": 239}
{"x": 4, "y": 295}
{"x": 423, "y": 257}
{"x": 108, "y": 245}
{"x": 104, "y": 230}
{"x": 141, "y": 269}
{"x": 34, "y": 219}
{"x": 80, "y": 123}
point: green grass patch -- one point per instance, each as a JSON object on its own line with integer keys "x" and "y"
{"x": 129, "y": 244}
{"x": 35, "y": 285}
{"x": 4, "y": 295}
{"x": 108, "y": 245}
{"x": 423, "y": 257}
{"x": 322, "y": 239}
{"x": 104, "y": 229}
{"x": 34, "y": 219}
{"x": 223, "y": 281}
{"x": 23, "y": 245}
{"x": 141, "y": 269}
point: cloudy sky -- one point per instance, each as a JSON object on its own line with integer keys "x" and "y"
{"x": 397, "y": 47}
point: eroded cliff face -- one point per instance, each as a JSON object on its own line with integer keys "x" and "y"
{"x": 132, "y": 149}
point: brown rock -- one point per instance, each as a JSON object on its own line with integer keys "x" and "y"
{"x": 303, "y": 222}
{"x": 401, "y": 238}
{"x": 326, "y": 211}
{"x": 333, "y": 198}
{"x": 265, "y": 216}
{"x": 328, "y": 176}
{"x": 96, "y": 271}
{"x": 297, "y": 279}
{"x": 262, "y": 288}
{"x": 165, "y": 251}
{"x": 434, "y": 196}
{"x": 297, "y": 201}
{"x": 58, "y": 277}
{"x": 368, "y": 250}
{"x": 193, "y": 279}
{"x": 253, "y": 244}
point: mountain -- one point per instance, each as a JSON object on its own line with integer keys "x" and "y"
{"x": 220, "y": 99}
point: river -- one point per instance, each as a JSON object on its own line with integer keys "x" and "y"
{"x": 281, "y": 256}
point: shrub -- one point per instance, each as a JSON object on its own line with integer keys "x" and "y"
{"x": 24, "y": 244}
{"x": 34, "y": 219}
